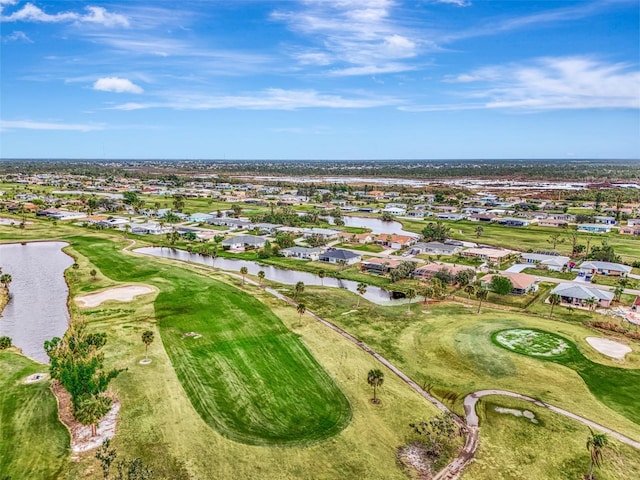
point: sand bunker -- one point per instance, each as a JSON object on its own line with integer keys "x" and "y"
{"x": 121, "y": 294}
{"x": 36, "y": 377}
{"x": 609, "y": 347}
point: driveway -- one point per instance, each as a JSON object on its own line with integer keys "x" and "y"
{"x": 518, "y": 268}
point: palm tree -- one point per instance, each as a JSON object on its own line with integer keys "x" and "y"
{"x": 427, "y": 291}
{"x": 617, "y": 292}
{"x": 479, "y": 231}
{"x": 375, "y": 378}
{"x": 481, "y": 294}
{"x": 301, "y": 309}
{"x": 261, "y": 276}
{"x": 93, "y": 273}
{"x": 299, "y": 288}
{"x": 596, "y": 443}
{"x": 362, "y": 289}
{"x": 469, "y": 290}
{"x": 554, "y": 299}
{"x": 243, "y": 272}
{"x": 75, "y": 267}
{"x": 5, "y": 279}
{"x": 147, "y": 339}
{"x": 411, "y": 294}
{"x": 591, "y": 302}
{"x": 321, "y": 275}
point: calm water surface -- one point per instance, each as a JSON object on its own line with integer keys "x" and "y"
{"x": 280, "y": 275}
{"x": 37, "y": 310}
{"x": 376, "y": 225}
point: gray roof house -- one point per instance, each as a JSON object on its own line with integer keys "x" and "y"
{"x": 243, "y": 241}
{"x": 576, "y": 294}
{"x": 339, "y": 256}
{"x": 589, "y": 269}
{"x": 434, "y": 248}
{"x": 303, "y": 253}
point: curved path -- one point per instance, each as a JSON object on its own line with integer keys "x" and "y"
{"x": 470, "y": 425}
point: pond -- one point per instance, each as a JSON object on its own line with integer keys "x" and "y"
{"x": 37, "y": 310}
{"x": 288, "y": 277}
{"x": 376, "y": 225}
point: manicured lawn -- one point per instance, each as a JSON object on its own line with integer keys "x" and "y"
{"x": 541, "y": 272}
{"x": 248, "y": 376}
{"x": 33, "y": 442}
{"x": 362, "y": 247}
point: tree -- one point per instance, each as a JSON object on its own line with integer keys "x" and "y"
{"x": 437, "y": 436}
{"x": 178, "y": 202}
{"x": 436, "y": 232}
{"x": 299, "y": 289}
{"x": 93, "y": 273}
{"x": 591, "y": 302}
{"x": 481, "y": 294}
{"x": 75, "y": 268}
{"x": 301, "y": 308}
{"x": 411, "y": 294}
{"x": 362, "y": 289}
{"x": 237, "y": 210}
{"x": 604, "y": 253}
{"x": 129, "y": 198}
{"x": 147, "y": 339}
{"x": 125, "y": 469}
{"x": 5, "y": 342}
{"x": 5, "y": 279}
{"x": 501, "y": 285}
{"x": 445, "y": 276}
{"x": 91, "y": 410}
{"x": 554, "y": 299}
{"x": 596, "y": 444}
{"x": 470, "y": 290}
{"x": 261, "y": 275}
{"x": 386, "y": 217}
{"x": 321, "y": 275}
{"x": 243, "y": 272}
{"x": 554, "y": 239}
{"x": 464, "y": 277}
{"x": 617, "y": 292}
{"x": 375, "y": 378}
{"x": 426, "y": 291}
{"x": 479, "y": 231}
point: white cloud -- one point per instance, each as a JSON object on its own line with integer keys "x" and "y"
{"x": 459, "y": 3}
{"x": 29, "y": 125}
{"x": 116, "y": 84}
{"x": 17, "y": 36}
{"x": 557, "y": 83}
{"x": 270, "y": 99}
{"x": 96, "y": 15}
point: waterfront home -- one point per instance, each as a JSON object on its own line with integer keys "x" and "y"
{"x": 434, "y": 248}
{"x": 338, "y": 256}
{"x": 590, "y": 269}
{"x": 379, "y": 266}
{"x": 362, "y": 238}
{"x": 594, "y": 228}
{"x": 243, "y": 242}
{"x": 579, "y": 295}
{"x": 550, "y": 261}
{"x": 395, "y": 241}
{"x": 150, "y": 228}
{"x": 424, "y": 272}
{"x": 395, "y": 211}
{"x": 303, "y": 253}
{"x": 325, "y": 233}
{"x": 494, "y": 255}
{"x": 522, "y": 283}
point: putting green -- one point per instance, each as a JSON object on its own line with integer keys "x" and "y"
{"x": 246, "y": 374}
{"x": 532, "y": 342}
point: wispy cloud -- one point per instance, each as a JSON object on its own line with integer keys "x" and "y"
{"x": 94, "y": 15}
{"x": 17, "y": 36}
{"x": 116, "y": 84}
{"x": 270, "y": 99}
{"x": 548, "y": 84}
{"x": 459, "y": 3}
{"x": 353, "y": 37}
{"x": 30, "y": 125}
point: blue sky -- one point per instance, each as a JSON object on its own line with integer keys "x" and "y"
{"x": 317, "y": 79}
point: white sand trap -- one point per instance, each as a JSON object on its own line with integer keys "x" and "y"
{"x": 518, "y": 413}
{"x": 36, "y": 377}
{"x": 121, "y": 294}
{"x": 608, "y": 347}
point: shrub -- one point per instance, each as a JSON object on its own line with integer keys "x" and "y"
{"x": 5, "y": 342}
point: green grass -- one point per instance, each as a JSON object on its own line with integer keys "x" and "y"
{"x": 362, "y": 247}
{"x": 248, "y": 376}
{"x": 618, "y": 388}
{"x": 28, "y": 415}
{"x": 541, "y": 272}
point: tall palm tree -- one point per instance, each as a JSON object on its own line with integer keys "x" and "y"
{"x": 554, "y": 299}
{"x": 411, "y": 294}
{"x": 321, "y": 275}
{"x": 617, "y": 292}
{"x": 362, "y": 289}
{"x": 375, "y": 378}
{"x": 299, "y": 288}
{"x": 479, "y": 230}
{"x": 481, "y": 294}
{"x": 243, "y": 272}
{"x": 261, "y": 276}
{"x": 301, "y": 308}
{"x": 469, "y": 290}
{"x": 147, "y": 339}
{"x": 5, "y": 279}
{"x": 596, "y": 444}
{"x": 591, "y": 302}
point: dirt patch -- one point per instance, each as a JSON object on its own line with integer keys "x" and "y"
{"x": 81, "y": 438}
{"x": 413, "y": 458}
{"x": 121, "y": 294}
{"x": 609, "y": 347}
{"x": 36, "y": 377}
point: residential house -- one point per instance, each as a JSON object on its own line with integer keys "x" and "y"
{"x": 552, "y": 222}
{"x": 150, "y": 228}
{"x": 605, "y": 219}
{"x": 578, "y": 295}
{"x": 594, "y": 228}
{"x": 454, "y": 217}
{"x": 590, "y": 269}
{"x": 523, "y": 283}
{"x": 567, "y": 217}
{"x": 231, "y": 223}
{"x": 434, "y": 248}
{"x": 633, "y": 230}
{"x": 303, "y": 253}
{"x": 200, "y": 217}
{"x": 546, "y": 260}
{"x": 494, "y": 255}
{"x": 395, "y": 241}
{"x": 394, "y": 210}
{"x": 379, "y": 266}
{"x": 513, "y": 222}
{"x": 427, "y": 271}
{"x": 482, "y": 217}
{"x": 266, "y": 228}
{"x": 338, "y": 256}
{"x": 325, "y": 233}
{"x": 362, "y": 238}
{"x": 243, "y": 241}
